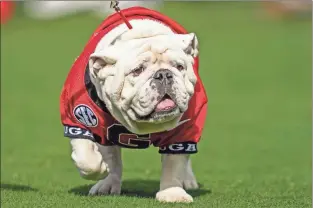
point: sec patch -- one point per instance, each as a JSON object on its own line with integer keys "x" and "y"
{"x": 85, "y": 115}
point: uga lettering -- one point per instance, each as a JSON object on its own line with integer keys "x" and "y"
{"x": 75, "y": 132}
{"x": 191, "y": 148}
{"x": 176, "y": 147}
{"x": 179, "y": 148}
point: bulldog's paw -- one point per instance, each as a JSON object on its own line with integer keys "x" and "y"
{"x": 88, "y": 160}
{"x": 94, "y": 172}
{"x": 111, "y": 185}
{"x": 174, "y": 194}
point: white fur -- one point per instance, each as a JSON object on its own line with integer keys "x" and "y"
{"x": 175, "y": 173}
{"x": 88, "y": 159}
{"x": 128, "y": 97}
{"x": 190, "y": 182}
{"x": 174, "y": 194}
{"x": 148, "y": 28}
{"x": 156, "y": 44}
{"x": 113, "y": 182}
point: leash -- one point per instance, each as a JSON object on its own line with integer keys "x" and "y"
{"x": 114, "y": 5}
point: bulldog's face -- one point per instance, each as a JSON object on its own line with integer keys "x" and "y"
{"x": 146, "y": 83}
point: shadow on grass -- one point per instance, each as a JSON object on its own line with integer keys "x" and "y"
{"x": 138, "y": 188}
{"x": 15, "y": 187}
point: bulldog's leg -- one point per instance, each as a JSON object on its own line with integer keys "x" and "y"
{"x": 88, "y": 160}
{"x": 173, "y": 174}
{"x": 113, "y": 182}
{"x": 190, "y": 182}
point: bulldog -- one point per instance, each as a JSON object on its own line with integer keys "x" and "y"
{"x": 132, "y": 88}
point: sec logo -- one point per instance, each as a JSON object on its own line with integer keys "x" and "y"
{"x": 85, "y": 115}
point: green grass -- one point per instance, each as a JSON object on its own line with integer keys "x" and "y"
{"x": 256, "y": 147}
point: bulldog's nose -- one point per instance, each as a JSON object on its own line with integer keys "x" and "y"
{"x": 163, "y": 74}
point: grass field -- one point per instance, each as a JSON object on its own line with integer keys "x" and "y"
{"x": 256, "y": 147}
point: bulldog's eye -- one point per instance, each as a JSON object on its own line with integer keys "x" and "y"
{"x": 180, "y": 67}
{"x": 137, "y": 71}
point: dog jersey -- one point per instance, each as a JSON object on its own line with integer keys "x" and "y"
{"x": 84, "y": 115}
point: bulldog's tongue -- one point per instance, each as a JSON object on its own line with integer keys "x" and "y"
{"x": 165, "y": 104}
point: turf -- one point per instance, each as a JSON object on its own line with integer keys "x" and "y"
{"x": 256, "y": 146}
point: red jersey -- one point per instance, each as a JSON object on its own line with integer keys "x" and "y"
{"x": 84, "y": 115}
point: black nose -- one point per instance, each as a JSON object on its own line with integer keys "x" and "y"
{"x": 163, "y": 74}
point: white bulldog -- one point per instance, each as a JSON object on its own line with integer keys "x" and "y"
{"x": 145, "y": 78}
{"x": 140, "y": 69}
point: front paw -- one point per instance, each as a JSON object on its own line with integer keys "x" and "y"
{"x": 174, "y": 194}
{"x": 94, "y": 171}
{"x": 111, "y": 185}
{"x": 88, "y": 160}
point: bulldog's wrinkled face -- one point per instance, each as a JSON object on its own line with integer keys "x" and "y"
{"x": 146, "y": 83}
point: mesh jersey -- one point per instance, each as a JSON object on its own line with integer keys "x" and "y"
{"x": 84, "y": 115}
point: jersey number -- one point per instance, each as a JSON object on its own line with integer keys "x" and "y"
{"x": 119, "y": 135}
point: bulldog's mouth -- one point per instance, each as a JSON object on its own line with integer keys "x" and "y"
{"x": 165, "y": 104}
{"x": 165, "y": 107}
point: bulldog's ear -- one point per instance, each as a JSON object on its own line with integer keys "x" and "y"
{"x": 191, "y": 45}
{"x": 100, "y": 59}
